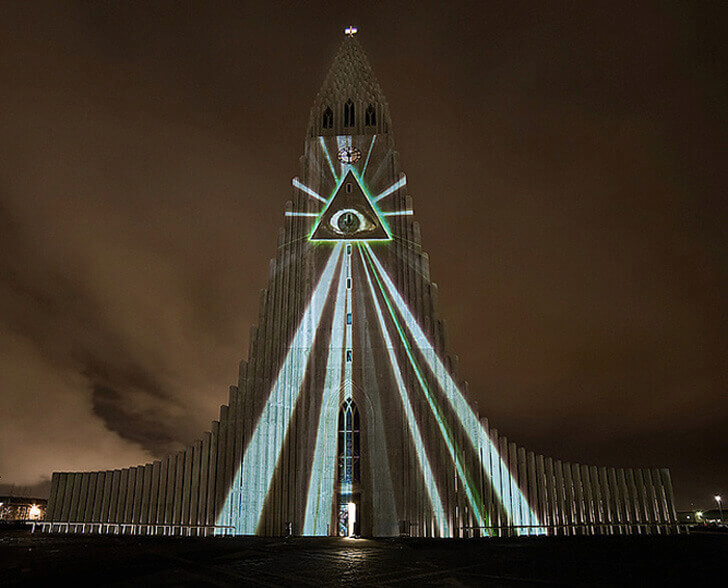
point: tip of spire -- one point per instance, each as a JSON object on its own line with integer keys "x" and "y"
{"x": 350, "y": 79}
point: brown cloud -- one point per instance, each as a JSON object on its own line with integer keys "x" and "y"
{"x": 566, "y": 165}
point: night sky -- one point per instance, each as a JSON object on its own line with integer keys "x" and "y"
{"x": 567, "y": 162}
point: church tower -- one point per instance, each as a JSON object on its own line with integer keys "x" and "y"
{"x": 347, "y": 428}
{"x": 349, "y": 416}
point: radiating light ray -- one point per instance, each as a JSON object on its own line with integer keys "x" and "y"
{"x": 477, "y": 435}
{"x": 424, "y": 463}
{"x": 472, "y": 493}
{"x": 320, "y": 496}
{"x": 366, "y": 163}
{"x": 304, "y": 188}
{"x": 254, "y": 476}
{"x": 349, "y": 326}
{"x": 328, "y": 158}
{"x": 292, "y": 213}
{"x": 398, "y": 213}
{"x": 396, "y": 186}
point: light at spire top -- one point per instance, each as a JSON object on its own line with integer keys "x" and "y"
{"x": 351, "y": 30}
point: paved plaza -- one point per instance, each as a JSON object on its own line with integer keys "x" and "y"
{"x": 27, "y": 559}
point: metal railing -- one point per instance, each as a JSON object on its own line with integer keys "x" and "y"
{"x": 578, "y": 529}
{"x": 170, "y": 530}
{"x": 105, "y": 528}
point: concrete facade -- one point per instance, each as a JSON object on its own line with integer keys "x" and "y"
{"x": 348, "y": 414}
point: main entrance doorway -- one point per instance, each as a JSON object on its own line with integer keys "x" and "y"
{"x": 348, "y": 523}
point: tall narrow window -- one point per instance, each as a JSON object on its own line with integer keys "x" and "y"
{"x": 328, "y": 119}
{"x": 370, "y": 116}
{"x": 349, "y": 114}
{"x": 348, "y": 443}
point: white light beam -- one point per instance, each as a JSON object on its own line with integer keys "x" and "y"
{"x": 291, "y": 213}
{"x": 323, "y": 470}
{"x": 366, "y": 163}
{"x": 261, "y": 456}
{"x": 304, "y": 188}
{"x": 398, "y": 213}
{"x": 396, "y": 186}
{"x": 425, "y": 468}
{"x": 469, "y": 421}
{"x": 328, "y": 158}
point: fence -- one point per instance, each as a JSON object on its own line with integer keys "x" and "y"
{"x": 131, "y": 529}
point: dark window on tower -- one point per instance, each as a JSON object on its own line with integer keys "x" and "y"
{"x": 349, "y": 445}
{"x": 349, "y": 114}
{"x": 349, "y": 187}
{"x": 328, "y": 119}
{"x": 370, "y": 116}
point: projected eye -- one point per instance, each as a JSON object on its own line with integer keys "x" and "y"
{"x": 349, "y": 221}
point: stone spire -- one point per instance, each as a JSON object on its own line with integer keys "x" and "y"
{"x": 350, "y": 78}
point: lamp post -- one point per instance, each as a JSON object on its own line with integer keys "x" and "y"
{"x": 720, "y": 507}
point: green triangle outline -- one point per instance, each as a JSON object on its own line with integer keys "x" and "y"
{"x": 357, "y": 199}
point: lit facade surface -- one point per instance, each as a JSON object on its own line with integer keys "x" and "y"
{"x": 349, "y": 417}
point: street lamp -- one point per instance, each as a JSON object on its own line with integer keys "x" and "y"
{"x": 720, "y": 507}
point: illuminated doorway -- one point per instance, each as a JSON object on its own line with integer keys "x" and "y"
{"x": 348, "y": 522}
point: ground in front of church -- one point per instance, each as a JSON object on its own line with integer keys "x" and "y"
{"x": 28, "y": 559}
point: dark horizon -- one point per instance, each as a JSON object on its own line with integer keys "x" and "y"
{"x": 566, "y": 167}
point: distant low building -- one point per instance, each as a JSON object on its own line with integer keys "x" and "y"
{"x": 22, "y": 508}
{"x": 702, "y": 517}
{"x": 713, "y": 516}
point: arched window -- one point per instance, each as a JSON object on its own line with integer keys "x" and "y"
{"x": 370, "y": 116}
{"x": 328, "y": 119}
{"x": 349, "y": 114}
{"x": 348, "y": 443}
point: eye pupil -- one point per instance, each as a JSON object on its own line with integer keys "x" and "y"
{"x": 348, "y": 222}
